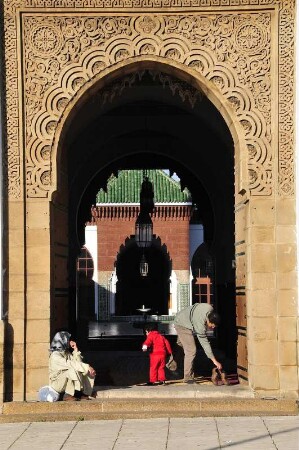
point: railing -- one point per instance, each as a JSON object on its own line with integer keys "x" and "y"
{"x": 139, "y": 318}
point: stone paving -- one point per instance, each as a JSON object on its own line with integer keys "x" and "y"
{"x": 204, "y": 433}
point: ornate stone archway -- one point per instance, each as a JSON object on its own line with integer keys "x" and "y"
{"x": 54, "y": 60}
{"x": 103, "y": 43}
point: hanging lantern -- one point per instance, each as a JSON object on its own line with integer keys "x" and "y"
{"x": 144, "y": 224}
{"x": 143, "y": 267}
{"x": 143, "y": 230}
{"x": 147, "y": 195}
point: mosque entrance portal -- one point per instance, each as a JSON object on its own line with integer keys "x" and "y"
{"x": 150, "y": 120}
{"x": 93, "y": 90}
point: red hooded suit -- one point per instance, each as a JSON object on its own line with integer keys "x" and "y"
{"x": 160, "y": 348}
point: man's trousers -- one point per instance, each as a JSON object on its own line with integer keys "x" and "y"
{"x": 186, "y": 340}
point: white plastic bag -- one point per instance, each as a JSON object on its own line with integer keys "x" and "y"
{"x": 47, "y": 394}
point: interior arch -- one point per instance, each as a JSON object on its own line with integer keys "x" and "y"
{"x": 69, "y": 127}
{"x": 150, "y": 120}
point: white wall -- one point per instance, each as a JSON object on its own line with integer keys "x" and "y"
{"x": 112, "y": 292}
{"x": 174, "y": 293}
{"x": 196, "y": 239}
{"x": 91, "y": 243}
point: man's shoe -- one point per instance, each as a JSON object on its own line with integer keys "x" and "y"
{"x": 161, "y": 383}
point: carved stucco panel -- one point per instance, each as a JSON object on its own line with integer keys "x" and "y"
{"x": 205, "y": 60}
{"x": 286, "y": 100}
{"x": 62, "y": 54}
{"x": 143, "y": 3}
{"x": 13, "y": 159}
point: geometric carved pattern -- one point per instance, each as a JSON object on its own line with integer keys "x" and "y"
{"x": 184, "y": 296}
{"x": 64, "y": 52}
{"x": 286, "y": 100}
{"x": 227, "y": 49}
{"x": 103, "y": 305}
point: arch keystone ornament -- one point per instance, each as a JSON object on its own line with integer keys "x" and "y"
{"x": 241, "y": 56}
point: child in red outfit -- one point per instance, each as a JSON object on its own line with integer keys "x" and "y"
{"x": 160, "y": 348}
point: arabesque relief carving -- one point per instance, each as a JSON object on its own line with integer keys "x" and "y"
{"x": 63, "y": 52}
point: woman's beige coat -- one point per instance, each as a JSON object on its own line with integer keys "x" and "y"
{"x": 68, "y": 372}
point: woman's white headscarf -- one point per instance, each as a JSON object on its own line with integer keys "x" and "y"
{"x": 60, "y": 342}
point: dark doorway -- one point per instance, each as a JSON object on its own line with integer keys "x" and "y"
{"x": 150, "y": 125}
{"x": 135, "y": 290}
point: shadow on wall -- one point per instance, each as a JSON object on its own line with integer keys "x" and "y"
{"x": 8, "y": 361}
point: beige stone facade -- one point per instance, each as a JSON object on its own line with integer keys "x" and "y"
{"x": 240, "y": 54}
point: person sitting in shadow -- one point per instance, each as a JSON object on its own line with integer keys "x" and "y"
{"x": 68, "y": 374}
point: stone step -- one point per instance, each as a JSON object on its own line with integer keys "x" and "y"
{"x": 149, "y": 403}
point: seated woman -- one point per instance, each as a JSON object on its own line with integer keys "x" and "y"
{"x": 68, "y": 373}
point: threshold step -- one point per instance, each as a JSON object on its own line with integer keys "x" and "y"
{"x": 144, "y": 408}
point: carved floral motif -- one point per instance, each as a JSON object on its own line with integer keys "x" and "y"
{"x": 250, "y": 38}
{"x": 46, "y": 40}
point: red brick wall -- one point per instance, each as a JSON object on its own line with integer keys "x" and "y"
{"x": 171, "y": 225}
{"x": 175, "y": 235}
{"x": 111, "y": 235}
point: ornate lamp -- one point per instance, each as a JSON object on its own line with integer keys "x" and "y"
{"x": 143, "y": 230}
{"x": 143, "y": 266}
{"x": 144, "y": 224}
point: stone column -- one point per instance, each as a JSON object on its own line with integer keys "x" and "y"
{"x": 37, "y": 308}
{"x": 272, "y": 296}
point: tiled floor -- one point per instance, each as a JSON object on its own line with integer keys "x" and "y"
{"x": 238, "y": 433}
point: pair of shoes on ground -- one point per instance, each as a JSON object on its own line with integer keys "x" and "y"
{"x": 156, "y": 383}
{"x": 218, "y": 377}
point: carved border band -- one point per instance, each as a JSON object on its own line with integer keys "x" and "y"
{"x": 232, "y": 50}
